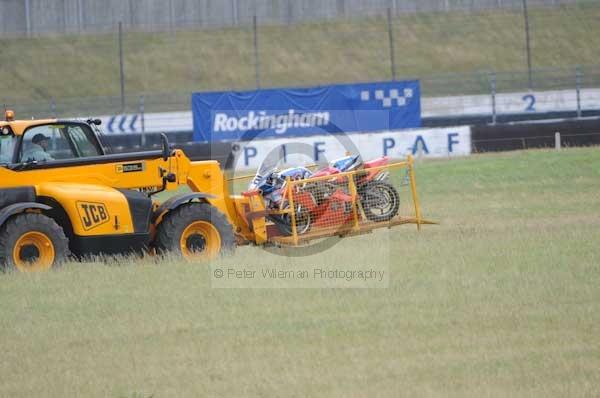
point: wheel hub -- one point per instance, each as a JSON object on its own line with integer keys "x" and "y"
{"x": 196, "y": 243}
{"x": 29, "y": 253}
{"x": 200, "y": 240}
{"x": 33, "y": 251}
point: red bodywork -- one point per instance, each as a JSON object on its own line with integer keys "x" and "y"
{"x": 336, "y": 208}
{"x": 382, "y": 161}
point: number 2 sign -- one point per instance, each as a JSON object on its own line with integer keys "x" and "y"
{"x": 529, "y": 100}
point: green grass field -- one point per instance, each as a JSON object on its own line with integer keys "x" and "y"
{"x": 501, "y": 299}
{"x": 168, "y": 66}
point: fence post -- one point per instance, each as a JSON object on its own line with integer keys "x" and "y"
{"x": 289, "y": 12}
{"x": 131, "y": 18}
{"x": 142, "y": 121}
{"x": 234, "y": 13}
{"x": 493, "y": 93}
{"x": 27, "y": 18}
{"x": 391, "y": 42}
{"x": 578, "y": 75}
{"x": 256, "y": 56}
{"x": 171, "y": 16}
{"x": 80, "y": 16}
{"x": 121, "y": 67}
{"x": 65, "y": 19}
{"x": 527, "y": 44}
{"x": 557, "y": 141}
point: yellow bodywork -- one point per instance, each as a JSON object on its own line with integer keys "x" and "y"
{"x": 18, "y": 127}
{"x": 99, "y": 183}
{"x": 92, "y": 209}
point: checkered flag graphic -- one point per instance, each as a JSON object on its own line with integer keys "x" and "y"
{"x": 388, "y": 100}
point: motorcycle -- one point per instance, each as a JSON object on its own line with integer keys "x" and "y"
{"x": 327, "y": 202}
{"x": 379, "y": 199}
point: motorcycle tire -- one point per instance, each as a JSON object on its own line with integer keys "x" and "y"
{"x": 374, "y": 196}
{"x": 284, "y": 223}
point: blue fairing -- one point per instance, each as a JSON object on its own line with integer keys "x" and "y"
{"x": 266, "y": 188}
{"x": 295, "y": 173}
{"x": 344, "y": 163}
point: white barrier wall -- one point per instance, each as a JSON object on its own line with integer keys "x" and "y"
{"x": 438, "y": 142}
{"x": 523, "y": 102}
{"x": 159, "y": 122}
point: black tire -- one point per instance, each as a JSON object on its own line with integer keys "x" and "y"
{"x": 304, "y": 218}
{"x": 17, "y": 228}
{"x": 170, "y": 231}
{"x": 284, "y": 222}
{"x": 376, "y": 194}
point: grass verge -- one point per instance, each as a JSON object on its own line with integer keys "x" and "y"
{"x": 502, "y": 299}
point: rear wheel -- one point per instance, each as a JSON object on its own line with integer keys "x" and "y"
{"x": 32, "y": 242}
{"x": 196, "y": 231}
{"x": 380, "y": 201}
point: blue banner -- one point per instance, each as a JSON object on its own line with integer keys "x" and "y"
{"x": 342, "y": 108}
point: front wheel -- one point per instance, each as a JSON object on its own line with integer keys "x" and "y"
{"x": 284, "y": 222}
{"x": 196, "y": 231}
{"x": 32, "y": 242}
{"x": 380, "y": 201}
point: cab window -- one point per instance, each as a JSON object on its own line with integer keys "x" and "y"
{"x": 84, "y": 146}
{"x": 44, "y": 143}
{"x": 7, "y": 149}
{"x": 57, "y": 142}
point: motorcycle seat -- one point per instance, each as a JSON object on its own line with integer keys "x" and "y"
{"x": 376, "y": 162}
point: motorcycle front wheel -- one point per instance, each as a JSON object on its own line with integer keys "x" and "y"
{"x": 284, "y": 222}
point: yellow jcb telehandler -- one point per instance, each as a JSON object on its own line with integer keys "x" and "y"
{"x": 62, "y": 194}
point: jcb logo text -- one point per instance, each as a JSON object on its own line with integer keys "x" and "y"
{"x": 92, "y": 214}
